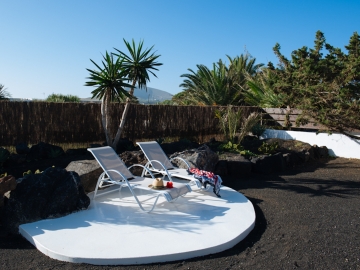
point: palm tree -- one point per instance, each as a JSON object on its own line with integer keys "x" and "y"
{"x": 260, "y": 91}
{"x": 180, "y": 99}
{"x": 222, "y": 85}
{"x": 243, "y": 67}
{"x": 4, "y": 95}
{"x": 137, "y": 66}
{"x": 110, "y": 86}
{"x": 210, "y": 87}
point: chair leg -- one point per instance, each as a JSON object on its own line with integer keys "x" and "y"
{"x": 140, "y": 205}
{"x": 99, "y": 181}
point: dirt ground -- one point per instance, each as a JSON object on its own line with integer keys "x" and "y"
{"x": 306, "y": 218}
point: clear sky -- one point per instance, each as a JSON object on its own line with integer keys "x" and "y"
{"x": 46, "y": 45}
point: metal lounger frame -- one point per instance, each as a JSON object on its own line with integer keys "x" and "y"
{"x": 122, "y": 175}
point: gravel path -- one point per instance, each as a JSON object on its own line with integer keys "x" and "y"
{"x": 307, "y": 218}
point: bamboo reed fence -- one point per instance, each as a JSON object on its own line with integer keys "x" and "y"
{"x": 72, "y": 123}
{"x": 32, "y": 122}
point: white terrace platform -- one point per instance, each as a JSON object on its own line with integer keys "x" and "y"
{"x": 116, "y": 232}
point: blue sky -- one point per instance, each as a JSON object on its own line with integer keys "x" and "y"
{"x": 47, "y": 45}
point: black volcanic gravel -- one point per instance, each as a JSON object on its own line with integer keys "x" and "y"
{"x": 307, "y": 218}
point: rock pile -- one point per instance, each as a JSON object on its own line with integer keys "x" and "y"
{"x": 202, "y": 158}
{"x": 57, "y": 192}
{"x": 51, "y": 194}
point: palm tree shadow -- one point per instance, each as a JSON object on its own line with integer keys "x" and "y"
{"x": 332, "y": 179}
{"x": 253, "y": 237}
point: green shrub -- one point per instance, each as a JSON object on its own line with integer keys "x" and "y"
{"x": 230, "y": 147}
{"x": 30, "y": 172}
{"x": 233, "y": 125}
{"x": 160, "y": 140}
{"x": 268, "y": 149}
{"x": 62, "y": 98}
{"x": 236, "y": 148}
{"x": 258, "y": 130}
{"x": 247, "y": 153}
{"x": 229, "y": 120}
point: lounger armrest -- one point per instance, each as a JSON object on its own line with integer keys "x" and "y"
{"x": 115, "y": 171}
{"x": 183, "y": 160}
{"x": 156, "y": 161}
{"x": 164, "y": 170}
{"x": 123, "y": 177}
{"x": 144, "y": 168}
{"x": 109, "y": 180}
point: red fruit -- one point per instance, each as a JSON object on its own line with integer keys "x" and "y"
{"x": 169, "y": 185}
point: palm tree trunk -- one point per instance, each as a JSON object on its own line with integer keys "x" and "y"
{"x": 105, "y": 117}
{"x": 123, "y": 117}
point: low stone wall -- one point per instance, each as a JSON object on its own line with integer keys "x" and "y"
{"x": 339, "y": 145}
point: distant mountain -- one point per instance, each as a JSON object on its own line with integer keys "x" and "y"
{"x": 149, "y": 96}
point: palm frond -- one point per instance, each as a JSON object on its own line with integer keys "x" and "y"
{"x": 139, "y": 63}
{"x": 109, "y": 79}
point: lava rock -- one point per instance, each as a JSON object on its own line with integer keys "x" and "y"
{"x": 134, "y": 157}
{"x": 202, "y": 158}
{"x": 221, "y": 168}
{"x": 22, "y": 148}
{"x": 320, "y": 152}
{"x": 239, "y": 166}
{"x": 268, "y": 164}
{"x": 51, "y": 194}
{"x": 182, "y": 145}
{"x": 77, "y": 152}
{"x": 88, "y": 171}
{"x": 44, "y": 150}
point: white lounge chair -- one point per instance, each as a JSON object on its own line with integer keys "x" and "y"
{"x": 158, "y": 162}
{"x": 116, "y": 173}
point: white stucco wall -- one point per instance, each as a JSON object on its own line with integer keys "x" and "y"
{"x": 339, "y": 145}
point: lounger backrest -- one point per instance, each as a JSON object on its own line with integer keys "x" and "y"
{"x": 153, "y": 151}
{"x": 109, "y": 160}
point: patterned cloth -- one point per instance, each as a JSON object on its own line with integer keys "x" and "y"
{"x": 207, "y": 178}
